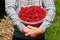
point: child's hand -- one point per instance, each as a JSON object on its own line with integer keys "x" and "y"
{"x": 34, "y": 31}
{"x": 25, "y": 30}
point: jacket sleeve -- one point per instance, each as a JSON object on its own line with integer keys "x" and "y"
{"x": 10, "y": 8}
{"x": 50, "y": 10}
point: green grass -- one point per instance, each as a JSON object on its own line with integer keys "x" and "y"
{"x": 53, "y": 32}
{"x": 57, "y": 6}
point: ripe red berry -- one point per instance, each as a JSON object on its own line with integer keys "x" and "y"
{"x": 32, "y": 13}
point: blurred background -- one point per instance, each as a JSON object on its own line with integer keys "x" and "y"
{"x": 2, "y": 9}
{"x": 53, "y": 32}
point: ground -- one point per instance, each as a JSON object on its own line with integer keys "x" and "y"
{"x": 53, "y": 32}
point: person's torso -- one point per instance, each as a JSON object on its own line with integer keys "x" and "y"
{"x": 24, "y": 3}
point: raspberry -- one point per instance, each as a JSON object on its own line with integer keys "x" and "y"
{"x": 32, "y": 14}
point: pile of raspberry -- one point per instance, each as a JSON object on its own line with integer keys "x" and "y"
{"x": 32, "y": 13}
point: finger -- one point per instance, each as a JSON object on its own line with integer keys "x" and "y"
{"x": 31, "y": 27}
{"x": 27, "y": 34}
